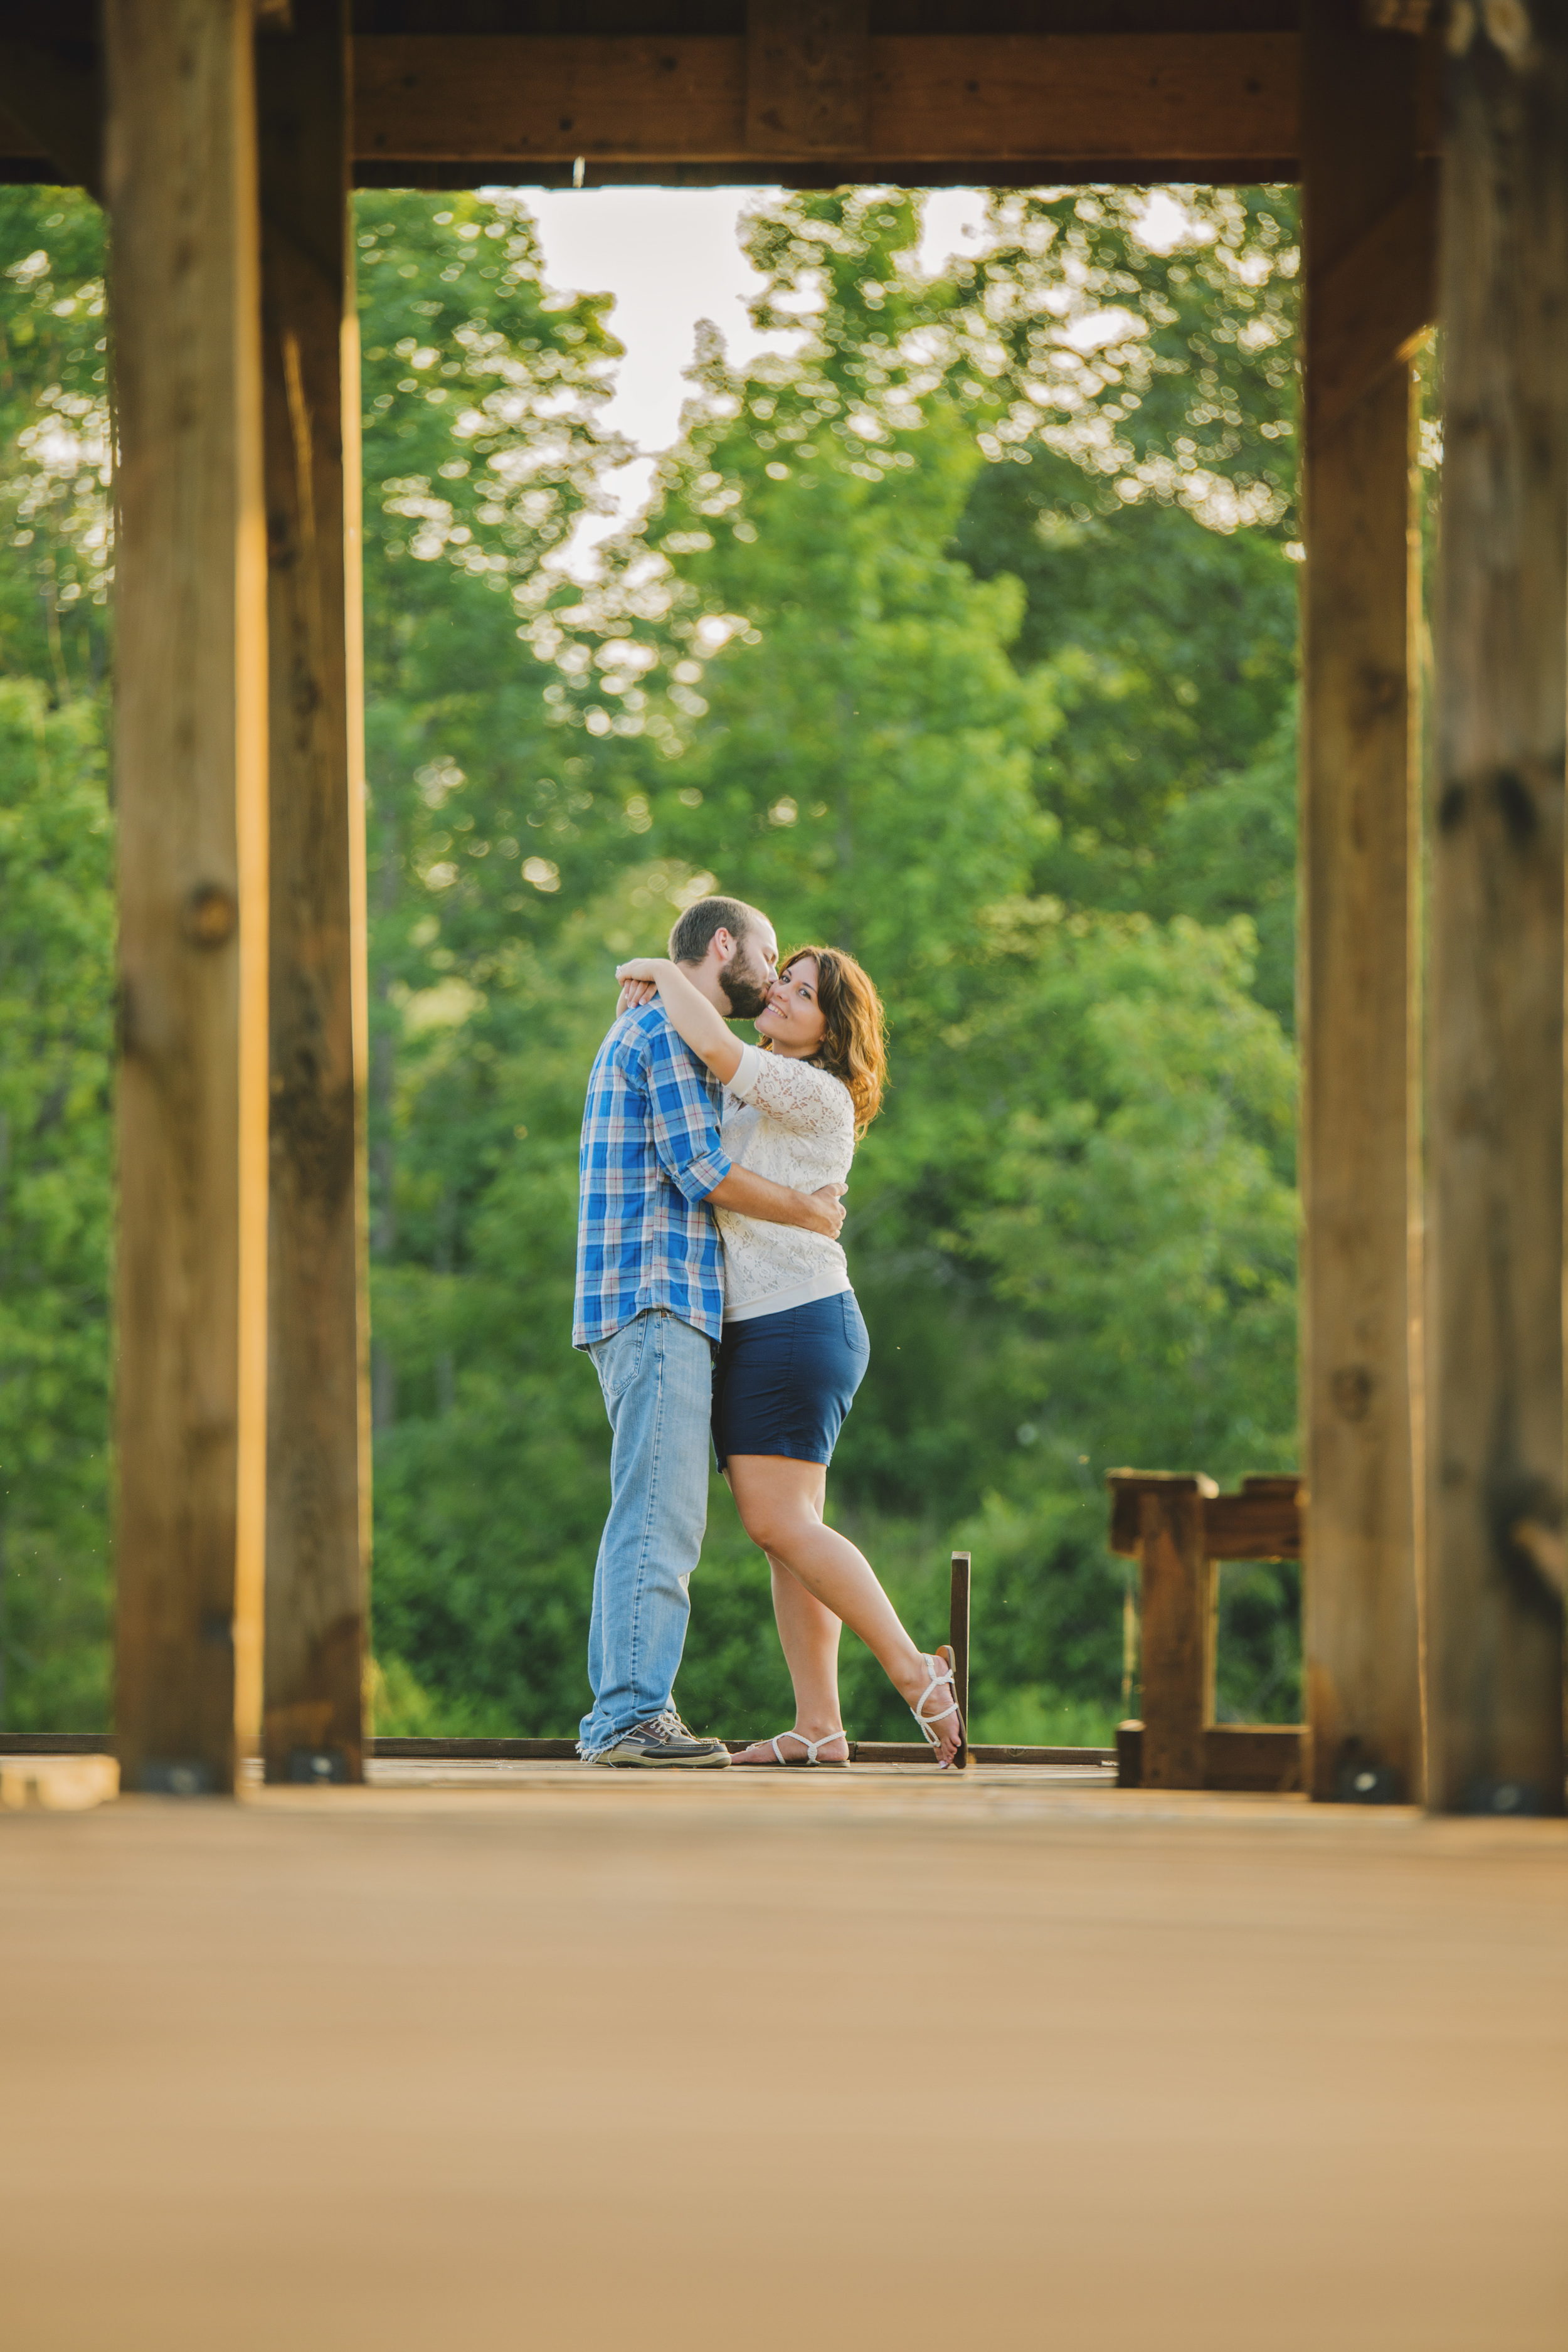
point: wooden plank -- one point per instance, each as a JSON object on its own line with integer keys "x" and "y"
{"x": 807, "y": 76}
{"x": 1265, "y": 1757}
{"x": 1252, "y": 1527}
{"x": 1117, "y": 95}
{"x": 530, "y": 98}
{"x": 191, "y": 785}
{"x": 958, "y": 1639}
{"x": 1269, "y": 1758}
{"x": 57, "y": 1743}
{"x": 1175, "y": 1574}
{"x": 1495, "y": 1064}
{"x": 1227, "y": 97}
{"x": 318, "y": 1534}
{"x": 1128, "y": 1488}
{"x": 1358, "y": 1020}
{"x": 863, "y": 1751}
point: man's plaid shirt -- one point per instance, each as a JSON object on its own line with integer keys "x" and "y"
{"x": 649, "y": 1159}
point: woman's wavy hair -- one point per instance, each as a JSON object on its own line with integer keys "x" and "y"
{"x": 854, "y": 1045}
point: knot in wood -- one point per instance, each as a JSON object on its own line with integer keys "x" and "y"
{"x": 1351, "y": 1389}
{"x": 211, "y": 916}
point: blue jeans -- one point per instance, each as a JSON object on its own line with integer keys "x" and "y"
{"x": 656, "y": 1373}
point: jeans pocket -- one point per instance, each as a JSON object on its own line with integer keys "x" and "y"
{"x": 618, "y": 1359}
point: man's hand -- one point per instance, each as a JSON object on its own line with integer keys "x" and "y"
{"x": 821, "y": 1212}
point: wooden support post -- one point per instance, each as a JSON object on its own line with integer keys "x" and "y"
{"x": 1369, "y": 231}
{"x": 318, "y": 1451}
{"x": 1495, "y": 1067}
{"x": 1175, "y": 1573}
{"x": 958, "y": 1638}
{"x": 191, "y": 785}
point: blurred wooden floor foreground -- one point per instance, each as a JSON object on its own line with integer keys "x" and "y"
{"x": 544, "y": 2057}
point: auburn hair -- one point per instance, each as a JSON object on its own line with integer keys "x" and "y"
{"x": 855, "y": 1043}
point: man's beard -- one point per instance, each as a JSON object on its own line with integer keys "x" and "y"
{"x": 746, "y": 999}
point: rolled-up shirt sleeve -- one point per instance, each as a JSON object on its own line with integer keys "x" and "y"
{"x": 682, "y": 1119}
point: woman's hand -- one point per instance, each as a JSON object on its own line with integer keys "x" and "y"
{"x": 639, "y": 980}
{"x": 693, "y": 1018}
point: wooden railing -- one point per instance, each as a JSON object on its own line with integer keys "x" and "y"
{"x": 1179, "y": 1528}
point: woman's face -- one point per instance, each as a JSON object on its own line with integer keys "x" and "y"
{"x": 792, "y": 1017}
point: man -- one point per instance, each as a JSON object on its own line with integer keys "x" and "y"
{"x": 649, "y": 1311}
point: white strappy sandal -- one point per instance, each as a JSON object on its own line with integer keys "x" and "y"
{"x": 811, "y": 1758}
{"x": 944, "y": 1659}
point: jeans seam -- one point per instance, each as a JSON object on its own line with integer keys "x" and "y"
{"x": 651, "y": 1511}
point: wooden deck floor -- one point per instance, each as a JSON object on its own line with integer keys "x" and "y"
{"x": 546, "y": 2057}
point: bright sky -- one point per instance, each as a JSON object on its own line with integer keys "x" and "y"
{"x": 671, "y": 257}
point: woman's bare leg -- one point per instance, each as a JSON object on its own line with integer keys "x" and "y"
{"x": 808, "y": 1632}
{"x": 780, "y": 1503}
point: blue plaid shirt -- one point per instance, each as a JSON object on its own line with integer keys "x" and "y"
{"x": 649, "y": 1159}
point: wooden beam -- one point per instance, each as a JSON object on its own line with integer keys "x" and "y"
{"x": 958, "y": 1641}
{"x": 191, "y": 786}
{"x": 1363, "y": 194}
{"x": 1495, "y": 1064}
{"x": 807, "y": 78}
{"x": 318, "y": 1531}
{"x": 1227, "y": 97}
{"x": 1176, "y": 1578}
{"x": 1265, "y": 1758}
{"x": 1128, "y": 1488}
{"x": 1376, "y": 301}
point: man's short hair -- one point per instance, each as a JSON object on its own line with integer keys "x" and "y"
{"x": 692, "y": 936}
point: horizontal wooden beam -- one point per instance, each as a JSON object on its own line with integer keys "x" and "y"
{"x": 565, "y": 1751}
{"x": 1229, "y": 99}
{"x": 1265, "y": 1758}
{"x": 1260, "y": 1755}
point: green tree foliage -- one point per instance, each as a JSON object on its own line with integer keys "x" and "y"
{"x": 54, "y": 440}
{"x": 803, "y": 680}
{"x": 963, "y": 635}
{"x": 56, "y": 963}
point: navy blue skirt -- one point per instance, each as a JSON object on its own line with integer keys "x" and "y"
{"x": 783, "y": 1382}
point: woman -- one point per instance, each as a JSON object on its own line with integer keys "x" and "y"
{"x": 794, "y": 1349}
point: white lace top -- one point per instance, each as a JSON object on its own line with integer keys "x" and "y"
{"x": 795, "y": 1124}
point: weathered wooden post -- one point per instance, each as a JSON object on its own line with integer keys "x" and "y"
{"x": 191, "y": 785}
{"x": 1176, "y": 1574}
{"x": 318, "y": 1446}
{"x": 1495, "y": 1023}
{"x": 1369, "y": 235}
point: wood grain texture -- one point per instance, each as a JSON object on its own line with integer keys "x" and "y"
{"x": 1128, "y": 1488}
{"x": 317, "y": 1528}
{"x": 1265, "y": 1756}
{"x": 958, "y": 1638}
{"x": 1268, "y": 1758}
{"x": 1176, "y": 1577}
{"x": 191, "y": 782}
{"x": 807, "y": 76}
{"x": 1252, "y": 1527}
{"x": 1222, "y": 97}
{"x": 1358, "y": 972}
{"x": 1495, "y": 1064}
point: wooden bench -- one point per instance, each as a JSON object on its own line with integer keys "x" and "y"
{"x": 1179, "y": 1528}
